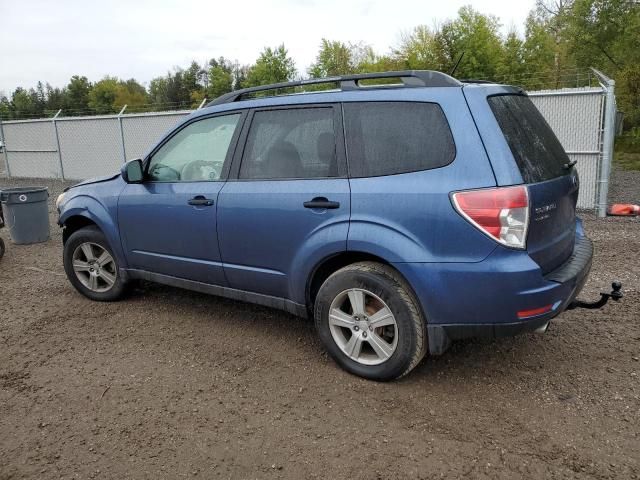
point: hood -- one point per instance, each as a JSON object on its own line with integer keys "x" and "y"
{"x": 104, "y": 178}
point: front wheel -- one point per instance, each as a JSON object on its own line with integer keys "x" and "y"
{"x": 91, "y": 266}
{"x": 369, "y": 321}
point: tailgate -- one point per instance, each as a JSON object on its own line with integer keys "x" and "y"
{"x": 552, "y": 222}
{"x": 545, "y": 168}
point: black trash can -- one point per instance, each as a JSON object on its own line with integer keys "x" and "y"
{"x": 26, "y": 214}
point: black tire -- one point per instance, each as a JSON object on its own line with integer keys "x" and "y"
{"x": 95, "y": 236}
{"x": 384, "y": 282}
{"x": 2, "y": 248}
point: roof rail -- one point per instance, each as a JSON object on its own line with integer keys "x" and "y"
{"x": 409, "y": 78}
{"x": 475, "y": 80}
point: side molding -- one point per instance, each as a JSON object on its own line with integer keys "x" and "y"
{"x": 241, "y": 295}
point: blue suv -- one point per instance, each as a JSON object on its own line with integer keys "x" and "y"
{"x": 400, "y": 210}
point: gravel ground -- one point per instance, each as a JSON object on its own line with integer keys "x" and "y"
{"x": 172, "y": 384}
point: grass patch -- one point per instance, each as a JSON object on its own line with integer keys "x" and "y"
{"x": 628, "y": 161}
{"x": 627, "y": 150}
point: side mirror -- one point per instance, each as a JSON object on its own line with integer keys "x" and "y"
{"x": 132, "y": 171}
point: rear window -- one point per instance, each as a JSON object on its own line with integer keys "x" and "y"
{"x": 537, "y": 151}
{"x": 386, "y": 138}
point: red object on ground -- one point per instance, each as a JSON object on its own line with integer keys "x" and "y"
{"x": 624, "y": 209}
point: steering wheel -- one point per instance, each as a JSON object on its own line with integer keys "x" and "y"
{"x": 200, "y": 170}
{"x": 170, "y": 174}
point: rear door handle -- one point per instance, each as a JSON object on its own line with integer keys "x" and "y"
{"x": 200, "y": 200}
{"x": 321, "y": 202}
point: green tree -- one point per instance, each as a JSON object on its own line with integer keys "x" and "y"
{"x": 546, "y": 52}
{"x": 103, "y": 95}
{"x": 55, "y": 98}
{"x": 512, "y": 65}
{"x": 178, "y": 93}
{"x": 158, "y": 91}
{"x": 130, "y": 93}
{"x": 334, "y": 58}
{"x": 541, "y": 59}
{"x": 172, "y": 91}
{"x": 590, "y": 33}
{"x": 628, "y": 94}
{"x": 418, "y": 49}
{"x": 5, "y": 107}
{"x": 272, "y": 66}
{"x": 220, "y": 77}
{"x": 77, "y": 94}
{"x": 22, "y": 103}
{"x": 192, "y": 83}
{"x": 240, "y": 73}
{"x": 477, "y": 36}
{"x": 39, "y": 97}
{"x": 604, "y": 33}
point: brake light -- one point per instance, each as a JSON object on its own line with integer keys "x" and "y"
{"x": 502, "y": 213}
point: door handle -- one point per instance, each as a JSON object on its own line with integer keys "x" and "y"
{"x": 321, "y": 202}
{"x": 200, "y": 200}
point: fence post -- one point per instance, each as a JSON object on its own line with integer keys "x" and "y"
{"x": 608, "y": 137}
{"x": 124, "y": 150}
{"x": 6, "y": 155}
{"x": 55, "y": 131}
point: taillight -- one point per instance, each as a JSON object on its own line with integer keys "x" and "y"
{"x": 502, "y": 213}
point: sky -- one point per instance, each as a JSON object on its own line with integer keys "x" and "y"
{"x": 51, "y": 40}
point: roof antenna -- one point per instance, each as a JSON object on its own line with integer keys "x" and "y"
{"x": 455, "y": 67}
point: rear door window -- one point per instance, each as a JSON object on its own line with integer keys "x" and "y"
{"x": 535, "y": 148}
{"x": 387, "y": 138}
{"x": 291, "y": 143}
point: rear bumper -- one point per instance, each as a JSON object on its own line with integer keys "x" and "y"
{"x": 483, "y": 299}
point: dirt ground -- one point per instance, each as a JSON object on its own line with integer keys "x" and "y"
{"x": 173, "y": 384}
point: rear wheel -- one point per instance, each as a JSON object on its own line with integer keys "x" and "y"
{"x": 91, "y": 266}
{"x": 369, "y": 321}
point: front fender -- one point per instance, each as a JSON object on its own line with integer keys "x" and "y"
{"x": 90, "y": 208}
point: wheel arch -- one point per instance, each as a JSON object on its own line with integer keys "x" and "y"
{"x": 74, "y": 223}
{"x": 328, "y": 265}
{"x": 85, "y": 211}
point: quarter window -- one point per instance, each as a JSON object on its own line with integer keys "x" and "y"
{"x": 386, "y": 138}
{"x": 293, "y": 143}
{"x": 195, "y": 153}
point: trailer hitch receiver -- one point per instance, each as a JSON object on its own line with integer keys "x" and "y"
{"x": 615, "y": 294}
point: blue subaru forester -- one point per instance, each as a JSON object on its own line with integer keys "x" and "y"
{"x": 400, "y": 210}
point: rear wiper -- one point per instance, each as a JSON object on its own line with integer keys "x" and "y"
{"x": 568, "y": 166}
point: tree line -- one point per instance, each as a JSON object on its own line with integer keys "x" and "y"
{"x": 561, "y": 39}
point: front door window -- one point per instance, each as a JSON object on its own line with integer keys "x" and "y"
{"x": 196, "y": 153}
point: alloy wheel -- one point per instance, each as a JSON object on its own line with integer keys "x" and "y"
{"x": 94, "y": 267}
{"x": 363, "y": 326}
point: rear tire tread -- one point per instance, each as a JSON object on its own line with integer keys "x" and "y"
{"x": 404, "y": 291}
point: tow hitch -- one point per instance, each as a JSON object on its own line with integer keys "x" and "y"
{"x": 615, "y": 294}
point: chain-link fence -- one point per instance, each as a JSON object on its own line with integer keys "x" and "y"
{"x": 575, "y": 115}
{"x": 80, "y": 147}
{"x": 83, "y": 147}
